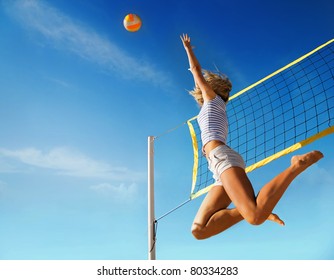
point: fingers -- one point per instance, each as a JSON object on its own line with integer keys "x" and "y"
{"x": 185, "y": 40}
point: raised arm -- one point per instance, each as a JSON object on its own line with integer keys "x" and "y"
{"x": 196, "y": 70}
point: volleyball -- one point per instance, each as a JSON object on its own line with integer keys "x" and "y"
{"x": 132, "y": 22}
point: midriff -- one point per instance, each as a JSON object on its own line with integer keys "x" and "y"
{"x": 211, "y": 145}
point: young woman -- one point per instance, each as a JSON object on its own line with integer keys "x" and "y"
{"x": 232, "y": 184}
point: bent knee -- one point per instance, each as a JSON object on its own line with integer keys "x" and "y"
{"x": 255, "y": 219}
{"x": 197, "y": 231}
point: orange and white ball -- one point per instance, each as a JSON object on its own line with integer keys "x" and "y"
{"x": 132, "y": 22}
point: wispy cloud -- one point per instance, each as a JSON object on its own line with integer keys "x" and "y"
{"x": 318, "y": 176}
{"x": 59, "y": 82}
{"x": 66, "y": 33}
{"x": 121, "y": 192}
{"x": 64, "y": 161}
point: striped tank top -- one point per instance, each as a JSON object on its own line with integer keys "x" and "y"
{"x": 212, "y": 120}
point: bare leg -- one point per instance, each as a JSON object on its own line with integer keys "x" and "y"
{"x": 213, "y": 217}
{"x": 257, "y": 210}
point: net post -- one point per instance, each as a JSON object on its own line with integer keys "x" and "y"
{"x": 150, "y": 192}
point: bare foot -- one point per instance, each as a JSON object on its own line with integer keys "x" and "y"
{"x": 274, "y": 218}
{"x": 304, "y": 161}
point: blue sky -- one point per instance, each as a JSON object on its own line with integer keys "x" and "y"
{"x": 79, "y": 95}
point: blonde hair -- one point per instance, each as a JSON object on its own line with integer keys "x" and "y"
{"x": 219, "y": 83}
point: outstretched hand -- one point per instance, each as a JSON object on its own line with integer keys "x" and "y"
{"x": 186, "y": 41}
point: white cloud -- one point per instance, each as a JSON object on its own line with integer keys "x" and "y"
{"x": 7, "y": 167}
{"x": 68, "y": 162}
{"x": 81, "y": 40}
{"x": 121, "y": 192}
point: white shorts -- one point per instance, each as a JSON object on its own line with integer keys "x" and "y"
{"x": 222, "y": 158}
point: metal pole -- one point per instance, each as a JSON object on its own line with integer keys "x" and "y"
{"x": 151, "y": 217}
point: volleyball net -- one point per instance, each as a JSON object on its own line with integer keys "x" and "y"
{"x": 275, "y": 116}
{"x": 286, "y": 110}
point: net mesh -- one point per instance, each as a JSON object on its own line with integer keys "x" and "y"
{"x": 277, "y": 115}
